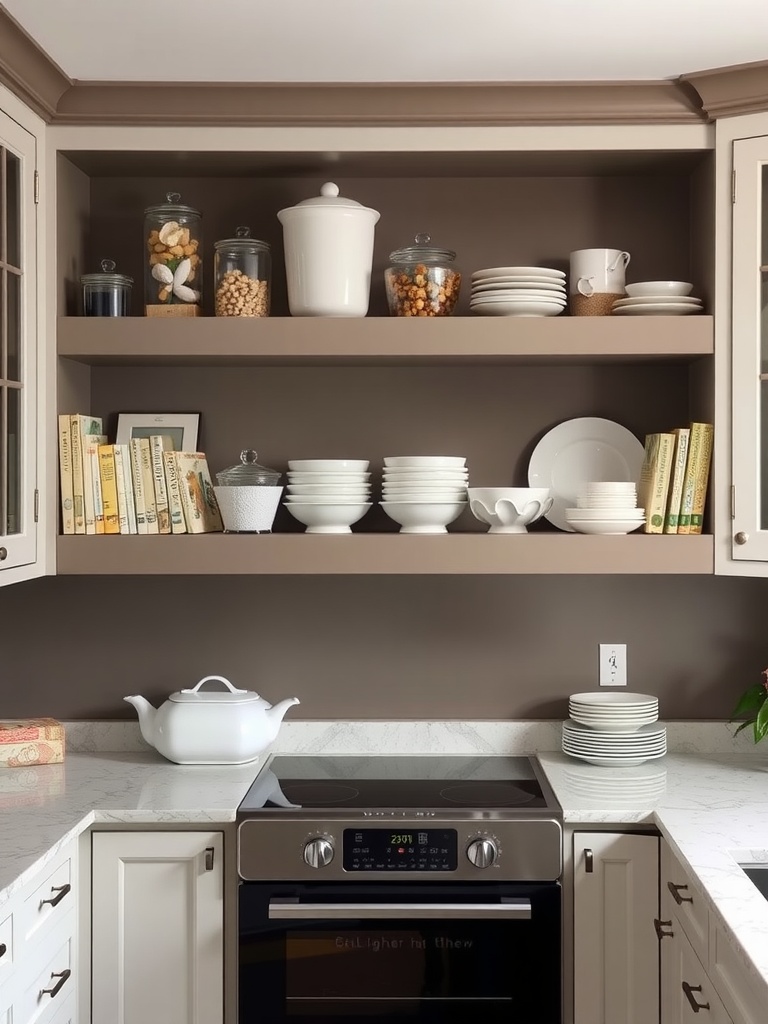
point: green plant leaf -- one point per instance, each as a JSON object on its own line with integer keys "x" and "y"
{"x": 761, "y": 722}
{"x": 745, "y": 725}
{"x": 753, "y": 699}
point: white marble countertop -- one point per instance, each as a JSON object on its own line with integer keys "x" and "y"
{"x": 713, "y": 809}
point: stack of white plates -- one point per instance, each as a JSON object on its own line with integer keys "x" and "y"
{"x": 623, "y": 787}
{"x": 614, "y": 728}
{"x": 518, "y": 291}
{"x": 658, "y": 298}
{"x": 328, "y": 482}
{"x": 424, "y": 478}
{"x": 606, "y": 506}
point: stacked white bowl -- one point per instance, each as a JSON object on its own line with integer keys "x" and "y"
{"x": 328, "y": 495}
{"x": 606, "y": 506}
{"x": 518, "y": 291}
{"x": 658, "y": 298}
{"x": 614, "y": 729}
{"x": 424, "y": 493}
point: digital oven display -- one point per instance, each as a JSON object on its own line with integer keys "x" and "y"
{"x": 393, "y": 849}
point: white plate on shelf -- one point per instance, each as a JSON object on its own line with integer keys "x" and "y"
{"x": 615, "y": 762}
{"x": 652, "y": 300}
{"x": 657, "y": 309}
{"x": 578, "y": 451}
{"x": 514, "y": 307}
{"x": 491, "y": 273}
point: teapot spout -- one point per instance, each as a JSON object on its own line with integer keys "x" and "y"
{"x": 277, "y": 712}
{"x": 147, "y": 715}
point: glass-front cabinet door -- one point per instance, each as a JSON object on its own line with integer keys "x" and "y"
{"x": 18, "y": 342}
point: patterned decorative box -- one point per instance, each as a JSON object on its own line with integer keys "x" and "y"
{"x": 29, "y": 741}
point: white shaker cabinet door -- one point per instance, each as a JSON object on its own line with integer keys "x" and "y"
{"x": 616, "y": 951}
{"x": 687, "y": 994}
{"x": 157, "y": 928}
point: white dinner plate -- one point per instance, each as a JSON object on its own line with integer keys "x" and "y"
{"x": 489, "y": 287}
{"x": 504, "y": 295}
{"x": 517, "y": 307}
{"x": 650, "y": 300}
{"x": 490, "y": 272}
{"x": 577, "y": 451}
{"x": 615, "y": 762}
{"x": 644, "y": 733}
{"x": 656, "y": 309}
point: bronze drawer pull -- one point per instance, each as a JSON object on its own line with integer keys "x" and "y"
{"x": 589, "y": 861}
{"x": 689, "y": 990}
{"x": 675, "y": 890}
{"x": 63, "y": 977}
{"x": 61, "y": 891}
{"x": 3, "y": 949}
{"x": 660, "y": 927}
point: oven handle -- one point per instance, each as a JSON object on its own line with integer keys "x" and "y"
{"x": 519, "y": 910}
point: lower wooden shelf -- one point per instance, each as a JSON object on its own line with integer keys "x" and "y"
{"x": 389, "y": 553}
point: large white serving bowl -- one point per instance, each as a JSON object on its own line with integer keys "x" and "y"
{"x": 328, "y": 465}
{"x": 423, "y": 517}
{"x": 424, "y": 462}
{"x": 321, "y": 518}
{"x": 658, "y": 288}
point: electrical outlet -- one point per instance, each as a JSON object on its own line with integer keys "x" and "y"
{"x": 613, "y": 664}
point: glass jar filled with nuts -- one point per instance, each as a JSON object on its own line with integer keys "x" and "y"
{"x": 243, "y": 275}
{"x": 421, "y": 280}
{"x": 173, "y": 280}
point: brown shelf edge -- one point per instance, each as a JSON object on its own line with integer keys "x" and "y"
{"x": 385, "y": 554}
{"x": 211, "y": 340}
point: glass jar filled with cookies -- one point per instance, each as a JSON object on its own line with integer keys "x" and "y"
{"x": 242, "y": 268}
{"x": 421, "y": 280}
{"x": 173, "y": 279}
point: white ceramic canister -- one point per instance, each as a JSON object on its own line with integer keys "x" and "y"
{"x": 328, "y": 243}
{"x": 596, "y": 280}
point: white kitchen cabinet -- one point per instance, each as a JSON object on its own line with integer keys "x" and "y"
{"x": 157, "y": 927}
{"x": 616, "y": 955}
{"x": 19, "y": 492}
{"x": 687, "y": 994}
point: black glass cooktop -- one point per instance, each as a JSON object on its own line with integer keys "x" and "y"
{"x": 336, "y": 783}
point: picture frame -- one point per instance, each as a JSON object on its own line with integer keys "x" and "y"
{"x": 182, "y": 427}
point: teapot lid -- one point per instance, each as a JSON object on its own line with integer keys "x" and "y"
{"x": 248, "y": 473}
{"x": 231, "y": 696}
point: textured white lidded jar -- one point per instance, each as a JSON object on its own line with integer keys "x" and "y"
{"x": 328, "y": 242}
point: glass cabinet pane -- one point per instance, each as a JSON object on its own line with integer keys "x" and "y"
{"x": 763, "y": 322}
{"x": 12, "y": 175}
{"x": 12, "y": 316}
{"x": 13, "y": 504}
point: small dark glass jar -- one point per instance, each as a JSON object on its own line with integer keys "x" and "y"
{"x": 107, "y": 293}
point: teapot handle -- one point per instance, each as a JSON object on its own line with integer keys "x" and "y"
{"x": 219, "y": 679}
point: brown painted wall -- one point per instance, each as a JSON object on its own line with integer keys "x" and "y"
{"x": 390, "y": 647}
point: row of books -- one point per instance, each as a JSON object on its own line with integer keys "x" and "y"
{"x": 143, "y": 486}
{"x": 674, "y": 478}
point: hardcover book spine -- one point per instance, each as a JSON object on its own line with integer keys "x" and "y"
{"x": 679, "y": 460}
{"x": 65, "y": 475}
{"x": 77, "y": 474}
{"x": 689, "y": 484}
{"x": 138, "y": 486}
{"x": 130, "y": 502}
{"x": 702, "y": 478}
{"x": 178, "y": 523}
{"x": 158, "y": 444}
{"x": 148, "y": 483}
{"x": 655, "y": 476}
{"x": 109, "y": 489}
{"x": 93, "y": 500}
{"x": 122, "y": 498}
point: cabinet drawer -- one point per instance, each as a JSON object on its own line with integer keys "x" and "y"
{"x": 6, "y": 948}
{"x": 48, "y": 987}
{"x": 697, "y": 998}
{"x": 738, "y": 986}
{"x": 683, "y": 901}
{"x": 47, "y": 903}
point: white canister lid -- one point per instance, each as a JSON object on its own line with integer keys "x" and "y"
{"x": 329, "y": 197}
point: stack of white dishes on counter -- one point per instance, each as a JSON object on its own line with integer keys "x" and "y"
{"x": 614, "y": 729}
{"x": 606, "y": 506}
{"x": 424, "y": 493}
{"x": 518, "y": 291}
{"x": 622, "y": 787}
{"x": 658, "y": 298}
{"x": 328, "y": 495}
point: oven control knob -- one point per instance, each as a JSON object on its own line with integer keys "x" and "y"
{"x": 318, "y": 852}
{"x": 482, "y": 852}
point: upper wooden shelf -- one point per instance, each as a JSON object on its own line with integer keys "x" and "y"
{"x": 202, "y": 341}
{"x": 389, "y": 553}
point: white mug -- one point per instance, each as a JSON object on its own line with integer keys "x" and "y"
{"x": 597, "y": 271}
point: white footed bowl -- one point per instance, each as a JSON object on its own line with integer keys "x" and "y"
{"x": 323, "y": 518}
{"x": 423, "y": 517}
{"x": 509, "y": 509}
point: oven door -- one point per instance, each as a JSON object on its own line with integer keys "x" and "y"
{"x": 428, "y": 952}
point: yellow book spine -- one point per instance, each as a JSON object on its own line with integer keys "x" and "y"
{"x": 77, "y": 473}
{"x": 148, "y": 484}
{"x": 689, "y": 484}
{"x": 109, "y": 489}
{"x": 655, "y": 476}
{"x": 679, "y": 459}
{"x": 65, "y": 475}
{"x": 138, "y": 485}
{"x": 702, "y": 477}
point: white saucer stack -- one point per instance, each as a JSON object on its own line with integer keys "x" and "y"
{"x": 614, "y": 729}
{"x": 606, "y": 506}
{"x": 518, "y": 291}
{"x": 658, "y": 298}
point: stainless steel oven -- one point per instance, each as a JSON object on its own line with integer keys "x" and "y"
{"x": 431, "y": 911}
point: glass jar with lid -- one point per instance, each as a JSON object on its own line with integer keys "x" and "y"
{"x": 173, "y": 278}
{"x": 242, "y": 275}
{"x": 421, "y": 280}
{"x": 248, "y": 495}
{"x": 107, "y": 293}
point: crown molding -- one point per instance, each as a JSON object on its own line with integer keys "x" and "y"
{"x": 738, "y": 89}
{"x": 28, "y": 72}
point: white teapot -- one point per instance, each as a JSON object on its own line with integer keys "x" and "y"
{"x": 211, "y": 727}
